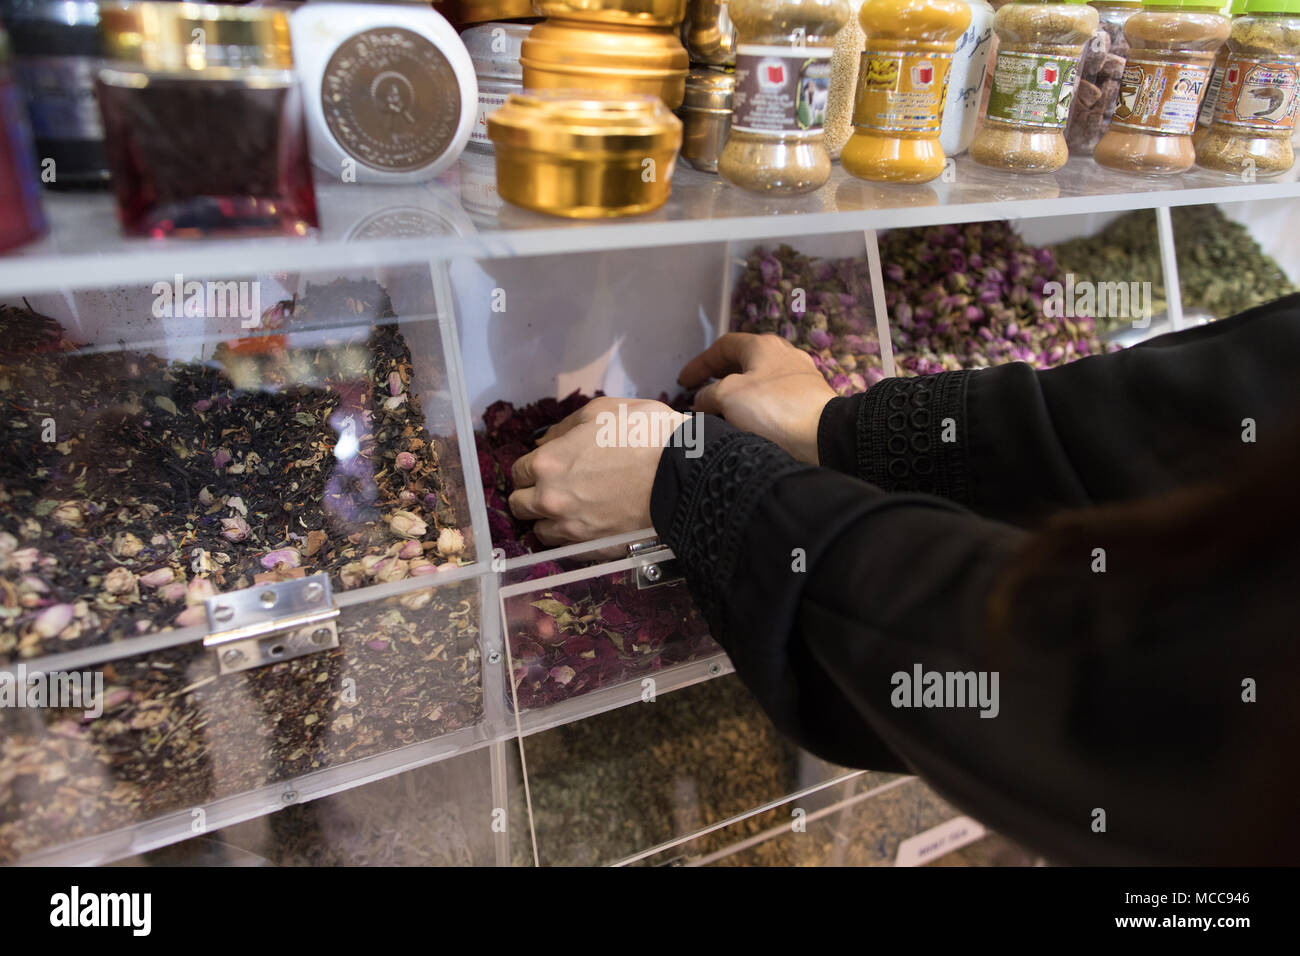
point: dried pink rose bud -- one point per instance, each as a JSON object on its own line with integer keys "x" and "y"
{"x": 404, "y": 524}
{"x": 450, "y": 542}
{"x": 423, "y": 567}
{"x": 370, "y": 562}
{"x": 53, "y": 620}
{"x": 409, "y": 550}
{"x": 199, "y": 590}
{"x": 174, "y": 592}
{"x": 394, "y": 383}
{"x": 406, "y": 495}
{"x": 405, "y": 460}
{"x": 286, "y": 556}
{"x": 378, "y": 644}
{"x": 234, "y": 529}
{"x": 119, "y": 581}
{"x": 191, "y": 616}
{"x": 24, "y": 559}
{"x": 352, "y": 574}
{"x": 68, "y": 514}
{"x": 157, "y": 579}
{"x": 390, "y": 569}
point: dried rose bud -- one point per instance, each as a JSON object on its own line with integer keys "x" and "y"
{"x": 199, "y": 590}
{"x": 120, "y": 581}
{"x": 352, "y": 574}
{"x": 234, "y": 529}
{"x": 174, "y": 592}
{"x": 450, "y": 542}
{"x": 157, "y": 579}
{"x": 394, "y": 383}
{"x": 127, "y": 545}
{"x": 24, "y": 559}
{"x": 68, "y": 514}
{"x": 405, "y": 460}
{"x": 390, "y": 569}
{"x": 53, "y": 620}
{"x": 423, "y": 567}
{"x": 416, "y": 599}
{"x": 409, "y": 550}
{"x": 8, "y": 544}
{"x": 406, "y": 495}
{"x": 377, "y": 644}
{"x": 286, "y": 556}
{"x": 370, "y": 562}
{"x": 404, "y": 524}
{"x": 191, "y": 616}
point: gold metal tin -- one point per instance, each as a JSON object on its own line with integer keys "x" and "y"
{"x": 562, "y": 55}
{"x": 639, "y": 13}
{"x": 709, "y": 34}
{"x": 462, "y": 13}
{"x": 706, "y": 117}
{"x": 195, "y": 37}
{"x": 585, "y": 155}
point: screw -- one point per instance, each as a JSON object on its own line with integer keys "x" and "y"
{"x": 223, "y": 612}
{"x": 313, "y": 592}
{"x": 289, "y": 796}
{"x": 268, "y": 598}
{"x": 652, "y": 573}
{"x": 232, "y": 656}
{"x": 715, "y": 669}
{"x": 494, "y": 657}
{"x": 321, "y": 635}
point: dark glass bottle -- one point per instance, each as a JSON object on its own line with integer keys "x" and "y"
{"x": 21, "y": 219}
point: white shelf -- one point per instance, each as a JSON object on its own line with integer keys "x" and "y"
{"x": 460, "y": 215}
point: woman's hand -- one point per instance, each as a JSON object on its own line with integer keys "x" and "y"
{"x": 767, "y": 386}
{"x": 591, "y": 474}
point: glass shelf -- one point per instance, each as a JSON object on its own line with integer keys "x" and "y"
{"x": 461, "y": 214}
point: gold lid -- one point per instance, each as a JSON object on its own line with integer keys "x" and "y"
{"x": 197, "y": 37}
{"x": 709, "y": 90}
{"x": 575, "y": 121}
{"x": 661, "y": 13}
{"x": 604, "y": 49}
{"x": 464, "y": 12}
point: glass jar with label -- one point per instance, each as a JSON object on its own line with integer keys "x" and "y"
{"x": 902, "y": 80}
{"x": 1039, "y": 45}
{"x": 1255, "y": 110}
{"x": 1096, "y": 83}
{"x": 970, "y": 60}
{"x": 783, "y": 59}
{"x": 1171, "y": 49}
{"x": 1206, "y": 115}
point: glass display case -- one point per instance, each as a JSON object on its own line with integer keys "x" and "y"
{"x": 254, "y": 552}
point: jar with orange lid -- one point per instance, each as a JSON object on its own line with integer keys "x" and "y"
{"x": 902, "y": 84}
{"x": 1254, "y": 114}
{"x": 1172, "y": 44}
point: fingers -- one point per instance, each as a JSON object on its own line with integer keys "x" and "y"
{"x": 732, "y": 352}
{"x": 524, "y": 504}
{"x": 524, "y": 472}
{"x": 708, "y": 401}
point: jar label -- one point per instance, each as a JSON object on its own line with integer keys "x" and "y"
{"x": 1259, "y": 93}
{"x": 60, "y": 93}
{"x": 781, "y": 89}
{"x": 901, "y": 92}
{"x": 1161, "y": 97}
{"x": 391, "y": 99}
{"x": 1031, "y": 89}
{"x": 488, "y": 103}
{"x": 1206, "y": 115}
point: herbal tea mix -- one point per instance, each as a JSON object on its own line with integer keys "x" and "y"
{"x": 165, "y": 484}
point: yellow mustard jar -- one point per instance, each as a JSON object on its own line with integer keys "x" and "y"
{"x": 902, "y": 85}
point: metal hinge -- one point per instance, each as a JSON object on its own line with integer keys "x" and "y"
{"x": 659, "y": 567}
{"x": 272, "y": 622}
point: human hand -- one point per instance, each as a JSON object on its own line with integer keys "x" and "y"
{"x": 766, "y": 386}
{"x": 587, "y": 479}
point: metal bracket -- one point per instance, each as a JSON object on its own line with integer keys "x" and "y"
{"x": 659, "y": 567}
{"x": 268, "y": 623}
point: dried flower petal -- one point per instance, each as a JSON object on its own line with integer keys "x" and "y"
{"x": 53, "y": 620}
{"x": 405, "y": 524}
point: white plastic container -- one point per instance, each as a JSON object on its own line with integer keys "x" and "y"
{"x": 389, "y": 91}
{"x": 961, "y": 108}
{"x": 494, "y": 50}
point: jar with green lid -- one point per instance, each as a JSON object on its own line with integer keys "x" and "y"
{"x": 1255, "y": 110}
{"x": 1172, "y": 44}
{"x": 1206, "y": 115}
{"x": 1096, "y": 82}
{"x": 1039, "y": 45}
{"x": 783, "y": 50}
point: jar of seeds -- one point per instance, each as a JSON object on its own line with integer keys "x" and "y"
{"x": 1255, "y": 112}
{"x": 1039, "y": 45}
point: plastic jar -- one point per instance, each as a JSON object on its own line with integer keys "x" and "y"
{"x": 1039, "y": 45}
{"x": 776, "y": 144}
{"x": 902, "y": 80}
{"x": 846, "y": 54}
{"x": 1096, "y": 85}
{"x": 494, "y": 49}
{"x": 970, "y": 60}
{"x": 1171, "y": 49}
{"x": 1255, "y": 112}
{"x": 1206, "y": 115}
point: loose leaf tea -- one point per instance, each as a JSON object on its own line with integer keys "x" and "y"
{"x": 584, "y": 635}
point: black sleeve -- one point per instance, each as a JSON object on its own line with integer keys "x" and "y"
{"x": 824, "y": 589}
{"x": 1017, "y": 444}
